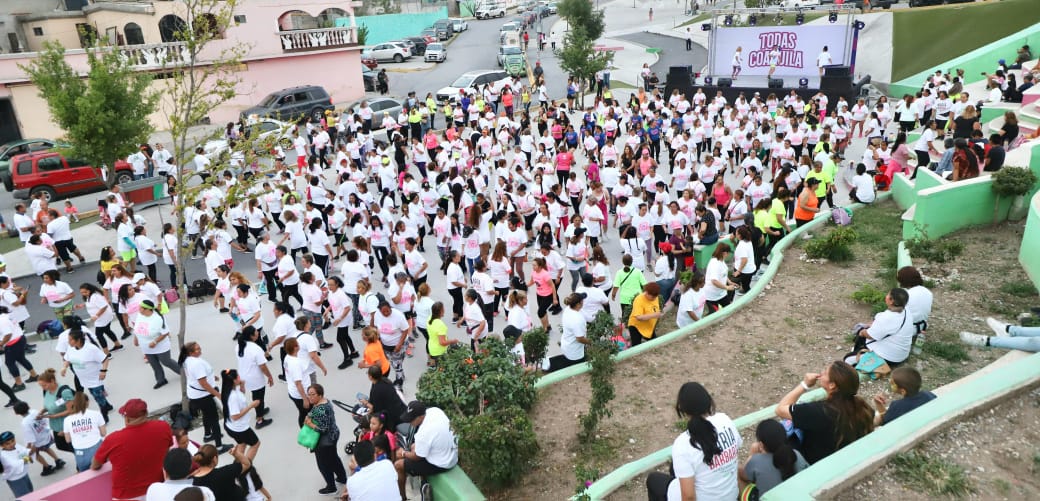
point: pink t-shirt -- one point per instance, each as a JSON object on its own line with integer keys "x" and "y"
{"x": 543, "y": 283}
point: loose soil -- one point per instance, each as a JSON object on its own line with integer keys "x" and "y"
{"x": 798, "y": 325}
{"x": 997, "y": 450}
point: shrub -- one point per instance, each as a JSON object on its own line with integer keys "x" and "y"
{"x": 1013, "y": 181}
{"x": 467, "y": 383}
{"x": 600, "y": 355}
{"x": 497, "y": 447}
{"x": 871, "y": 296}
{"x": 938, "y": 251}
{"x": 836, "y": 246}
{"x": 536, "y": 344}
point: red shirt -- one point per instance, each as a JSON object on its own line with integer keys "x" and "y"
{"x": 137, "y": 454}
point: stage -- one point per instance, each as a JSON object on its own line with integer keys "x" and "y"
{"x": 832, "y": 85}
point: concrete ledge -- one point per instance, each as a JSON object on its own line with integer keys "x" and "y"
{"x": 844, "y": 468}
{"x": 454, "y": 485}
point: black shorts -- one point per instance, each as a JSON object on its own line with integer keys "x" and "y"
{"x": 247, "y": 437}
{"x": 421, "y": 468}
{"x": 544, "y": 303}
{"x": 66, "y": 245}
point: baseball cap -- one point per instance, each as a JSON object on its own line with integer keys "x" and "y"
{"x": 665, "y": 247}
{"x": 415, "y": 410}
{"x": 138, "y": 277}
{"x": 134, "y": 408}
{"x": 5, "y": 436}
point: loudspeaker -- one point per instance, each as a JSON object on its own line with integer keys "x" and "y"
{"x": 680, "y": 70}
{"x": 837, "y": 70}
{"x": 835, "y": 84}
{"x": 725, "y": 82}
{"x": 776, "y": 83}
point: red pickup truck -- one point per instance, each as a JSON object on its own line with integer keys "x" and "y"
{"x": 55, "y": 176}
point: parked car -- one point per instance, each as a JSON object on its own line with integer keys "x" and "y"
{"x": 530, "y": 17}
{"x": 507, "y": 50}
{"x": 369, "y": 61}
{"x": 444, "y": 29}
{"x": 489, "y": 11}
{"x": 19, "y": 147}
{"x": 379, "y": 105}
{"x": 458, "y": 24}
{"x": 515, "y": 65}
{"x": 923, "y": 3}
{"x": 797, "y": 4}
{"x": 428, "y": 38}
{"x": 260, "y": 131}
{"x": 418, "y": 45}
{"x": 430, "y": 33}
{"x": 50, "y": 173}
{"x": 291, "y": 104}
{"x": 436, "y": 52}
{"x": 510, "y": 26}
{"x": 542, "y": 11}
{"x": 472, "y": 80}
{"x": 397, "y": 52}
{"x": 551, "y": 6}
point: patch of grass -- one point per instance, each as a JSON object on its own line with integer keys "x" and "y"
{"x": 871, "y": 296}
{"x": 955, "y": 286}
{"x": 1000, "y": 308}
{"x": 1036, "y": 462}
{"x": 952, "y": 352}
{"x": 679, "y": 425}
{"x": 8, "y": 244}
{"x": 793, "y": 323}
{"x": 935, "y": 476}
{"x": 962, "y": 28}
{"x": 700, "y": 18}
{"x": 1019, "y": 288}
{"x": 1002, "y": 486}
{"x": 929, "y": 284}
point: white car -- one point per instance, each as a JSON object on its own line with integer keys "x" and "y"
{"x": 795, "y": 4}
{"x": 436, "y": 52}
{"x": 389, "y": 51}
{"x": 509, "y": 27}
{"x": 490, "y": 11}
{"x": 473, "y": 80}
{"x": 264, "y": 128}
{"x": 458, "y": 24}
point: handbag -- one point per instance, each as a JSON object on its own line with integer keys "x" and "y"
{"x": 328, "y": 439}
{"x": 308, "y": 437}
{"x": 872, "y": 364}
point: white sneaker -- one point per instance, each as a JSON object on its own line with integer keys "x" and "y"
{"x": 974, "y": 339}
{"x": 999, "y": 328}
{"x": 807, "y": 236}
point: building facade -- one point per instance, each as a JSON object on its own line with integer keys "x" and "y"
{"x": 289, "y": 43}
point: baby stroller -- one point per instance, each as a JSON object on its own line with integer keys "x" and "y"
{"x": 360, "y": 414}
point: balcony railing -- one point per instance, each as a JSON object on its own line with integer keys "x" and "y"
{"x": 318, "y": 39}
{"x": 159, "y": 55}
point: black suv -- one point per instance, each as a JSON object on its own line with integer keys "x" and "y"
{"x": 292, "y": 104}
{"x": 419, "y": 45}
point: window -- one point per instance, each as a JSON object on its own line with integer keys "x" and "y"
{"x": 25, "y": 167}
{"x": 240, "y": 19}
{"x": 73, "y": 163}
{"x": 49, "y": 164}
{"x": 301, "y": 96}
{"x": 87, "y": 34}
{"x": 171, "y": 28}
{"x": 38, "y": 31}
{"x": 133, "y": 34}
{"x": 206, "y": 24}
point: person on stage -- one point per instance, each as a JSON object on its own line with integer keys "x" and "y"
{"x": 823, "y": 60}
{"x": 774, "y": 59}
{"x": 737, "y": 58}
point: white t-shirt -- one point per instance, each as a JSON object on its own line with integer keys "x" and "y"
{"x": 54, "y": 292}
{"x": 892, "y": 332}
{"x": 36, "y": 431}
{"x": 716, "y": 270}
{"x": 195, "y": 368}
{"x": 286, "y": 265}
{"x": 435, "y": 442}
{"x": 148, "y": 329}
{"x": 249, "y": 364}
{"x": 574, "y": 325}
{"x": 390, "y": 327}
{"x": 86, "y": 363}
{"x": 14, "y": 462}
{"x": 745, "y": 250}
{"x": 296, "y": 370}
{"x": 237, "y": 402}
{"x": 84, "y": 429}
{"x": 919, "y": 304}
{"x": 691, "y": 300}
{"x": 864, "y": 185}
{"x": 715, "y": 481}
{"x": 375, "y": 482}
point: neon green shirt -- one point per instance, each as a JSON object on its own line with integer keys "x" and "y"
{"x": 436, "y": 329}
{"x": 629, "y": 284}
{"x": 775, "y": 210}
{"x": 825, "y": 181}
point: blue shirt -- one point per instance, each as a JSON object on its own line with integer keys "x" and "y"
{"x": 900, "y": 407}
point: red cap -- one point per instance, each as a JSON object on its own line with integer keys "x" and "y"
{"x": 134, "y": 408}
{"x": 665, "y": 247}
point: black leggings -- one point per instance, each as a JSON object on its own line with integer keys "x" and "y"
{"x": 560, "y": 362}
{"x": 330, "y": 465}
{"x": 101, "y": 331}
{"x": 272, "y": 285}
{"x": 301, "y": 413}
{"x": 744, "y": 279}
{"x": 259, "y": 396}
{"x": 290, "y": 291}
{"x": 456, "y": 302}
{"x": 381, "y": 253}
{"x": 7, "y": 389}
{"x": 210, "y": 415}
{"x": 345, "y": 343}
{"x": 322, "y": 260}
{"x": 14, "y": 355}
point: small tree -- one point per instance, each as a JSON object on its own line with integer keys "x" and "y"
{"x": 1011, "y": 182}
{"x": 579, "y": 58}
{"x": 536, "y": 343}
{"x": 104, "y": 116}
{"x": 600, "y": 355}
{"x": 581, "y": 13}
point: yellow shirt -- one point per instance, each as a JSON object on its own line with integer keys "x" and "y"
{"x": 642, "y": 305}
{"x": 777, "y": 209}
{"x": 107, "y": 265}
{"x": 825, "y": 181}
{"x": 437, "y": 329}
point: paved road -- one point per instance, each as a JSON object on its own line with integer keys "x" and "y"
{"x": 673, "y": 52}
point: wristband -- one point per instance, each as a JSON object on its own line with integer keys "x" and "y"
{"x": 804, "y": 386}
{"x": 104, "y": 370}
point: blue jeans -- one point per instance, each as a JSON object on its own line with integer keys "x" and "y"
{"x": 138, "y": 177}
{"x": 1022, "y": 338}
{"x": 84, "y": 456}
{"x": 21, "y": 486}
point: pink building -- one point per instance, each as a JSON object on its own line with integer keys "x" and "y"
{"x": 290, "y": 43}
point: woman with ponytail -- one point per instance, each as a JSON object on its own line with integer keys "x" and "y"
{"x": 236, "y": 411}
{"x": 252, "y": 367}
{"x": 704, "y": 457}
{"x": 772, "y": 460}
{"x": 830, "y": 424}
{"x": 202, "y": 391}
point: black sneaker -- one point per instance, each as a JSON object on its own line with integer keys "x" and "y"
{"x": 346, "y": 363}
{"x": 18, "y": 387}
{"x": 59, "y": 464}
{"x": 325, "y": 346}
{"x": 160, "y": 384}
{"x": 32, "y": 379}
{"x": 116, "y": 348}
{"x": 11, "y": 403}
{"x": 262, "y": 423}
{"x": 224, "y": 448}
{"x": 124, "y": 336}
{"x": 327, "y": 491}
{"x": 47, "y": 470}
{"x": 207, "y": 438}
{"x": 355, "y": 355}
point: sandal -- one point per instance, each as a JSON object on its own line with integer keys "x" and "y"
{"x": 408, "y": 351}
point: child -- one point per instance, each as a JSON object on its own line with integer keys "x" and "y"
{"x": 905, "y": 381}
{"x": 38, "y": 437}
{"x": 71, "y": 211}
{"x": 374, "y": 351}
{"x": 13, "y": 460}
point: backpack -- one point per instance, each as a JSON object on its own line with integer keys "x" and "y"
{"x": 51, "y": 328}
{"x": 841, "y": 216}
{"x": 61, "y": 389}
{"x": 199, "y": 289}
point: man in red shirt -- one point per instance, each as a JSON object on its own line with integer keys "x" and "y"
{"x": 136, "y": 452}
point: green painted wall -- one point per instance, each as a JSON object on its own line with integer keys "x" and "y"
{"x": 1028, "y": 256}
{"x": 454, "y": 485}
{"x": 981, "y": 32}
{"x": 387, "y": 27}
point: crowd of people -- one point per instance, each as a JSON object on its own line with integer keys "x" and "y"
{"x": 603, "y": 207}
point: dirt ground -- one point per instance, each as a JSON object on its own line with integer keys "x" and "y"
{"x": 798, "y": 325}
{"x": 997, "y": 450}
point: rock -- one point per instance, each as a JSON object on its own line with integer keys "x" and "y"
{"x": 631, "y": 440}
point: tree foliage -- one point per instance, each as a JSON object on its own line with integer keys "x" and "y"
{"x": 468, "y": 383}
{"x": 578, "y": 57}
{"x": 600, "y": 355}
{"x": 105, "y": 116}
{"x": 581, "y": 13}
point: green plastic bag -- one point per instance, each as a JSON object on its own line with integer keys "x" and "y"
{"x": 308, "y": 437}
